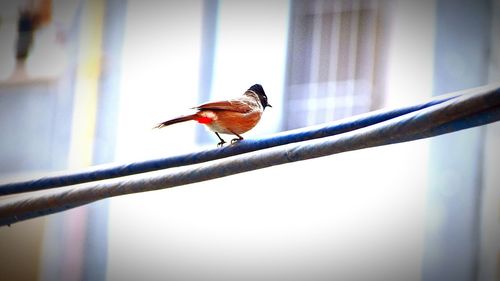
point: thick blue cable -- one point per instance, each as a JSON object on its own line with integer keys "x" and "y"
{"x": 248, "y": 145}
{"x": 456, "y": 114}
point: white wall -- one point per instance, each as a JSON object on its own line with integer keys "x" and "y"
{"x": 357, "y": 215}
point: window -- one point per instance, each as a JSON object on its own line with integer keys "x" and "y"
{"x": 335, "y": 60}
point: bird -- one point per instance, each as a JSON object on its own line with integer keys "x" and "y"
{"x": 233, "y": 116}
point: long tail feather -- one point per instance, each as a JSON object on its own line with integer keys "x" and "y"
{"x": 174, "y": 121}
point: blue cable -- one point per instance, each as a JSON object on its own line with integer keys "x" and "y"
{"x": 461, "y": 112}
{"x": 248, "y": 145}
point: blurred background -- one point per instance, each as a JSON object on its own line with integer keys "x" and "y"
{"x": 82, "y": 82}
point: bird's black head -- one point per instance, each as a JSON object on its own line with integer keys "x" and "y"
{"x": 257, "y": 88}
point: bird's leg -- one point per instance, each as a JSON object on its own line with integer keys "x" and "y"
{"x": 235, "y": 140}
{"x": 222, "y": 141}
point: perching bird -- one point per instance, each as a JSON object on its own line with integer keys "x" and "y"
{"x": 234, "y": 117}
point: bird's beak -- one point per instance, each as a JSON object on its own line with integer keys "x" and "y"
{"x": 269, "y": 105}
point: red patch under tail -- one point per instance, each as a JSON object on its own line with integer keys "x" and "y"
{"x": 204, "y": 120}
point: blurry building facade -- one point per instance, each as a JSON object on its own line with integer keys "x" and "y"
{"x": 422, "y": 210}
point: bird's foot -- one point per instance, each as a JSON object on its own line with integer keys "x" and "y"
{"x": 221, "y": 143}
{"x": 236, "y": 140}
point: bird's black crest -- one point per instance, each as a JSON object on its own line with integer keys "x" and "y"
{"x": 257, "y": 88}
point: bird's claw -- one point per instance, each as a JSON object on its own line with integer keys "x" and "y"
{"x": 221, "y": 144}
{"x": 236, "y": 140}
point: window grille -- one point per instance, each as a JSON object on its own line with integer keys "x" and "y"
{"x": 335, "y": 60}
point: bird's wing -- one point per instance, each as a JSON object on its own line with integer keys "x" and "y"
{"x": 230, "y": 105}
